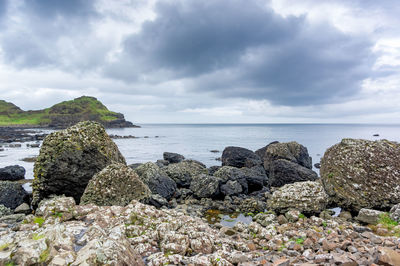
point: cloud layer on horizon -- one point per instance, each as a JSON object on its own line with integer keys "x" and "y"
{"x": 273, "y": 60}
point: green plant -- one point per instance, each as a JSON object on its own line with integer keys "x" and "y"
{"x": 386, "y": 221}
{"x": 36, "y": 236}
{"x": 324, "y": 224}
{"x": 44, "y": 255}
{"x": 329, "y": 231}
{"x": 10, "y": 263}
{"x": 300, "y": 240}
{"x": 39, "y": 220}
{"x": 301, "y": 216}
{"x": 4, "y": 246}
{"x": 58, "y": 214}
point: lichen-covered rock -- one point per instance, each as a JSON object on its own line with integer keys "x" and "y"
{"x": 205, "y": 186}
{"x": 282, "y": 172}
{"x": 307, "y": 197}
{"x": 12, "y": 194}
{"x": 291, "y": 151}
{"x": 182, "y": 173}
{"x": 369, "y": 216}
{"x": 362, "y": 174}
{"x": 69, "y": 158}
{"x": 240, "y": 157}
{"x": 395, "y": 212}
{"x": 230, "y": 173}
{"x": 58, "y": 206}
{"x": 117, "y": 184}
{"x": 4, "y": 210}
{"x": 231, "y": 188}
{"x": 157, "y": 180}
{"x": 12, "y": 173}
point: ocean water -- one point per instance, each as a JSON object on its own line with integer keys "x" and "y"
{"x": 195, "y": 141}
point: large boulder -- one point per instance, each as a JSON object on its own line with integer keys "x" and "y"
{"x": 307, "y": 197}
{"x": 290, "y": 151}
{"x": 173, "y": 157}
{"x": 69, "y": 158}
{"x": 157, "y": 180}
{"x": 12, "y": 194}
{"x": 117, "y": 184}
{"x": 284, "y": 172}
{"x": 362, "y": 174}
{"x": 12, "y": 173}
{"x": 240, "y": 157}
{"x": 205, "y": 186}
{"x": 230, "y": 173}
{"x": 182, "y": 173}
{"x": 369, "y": 216}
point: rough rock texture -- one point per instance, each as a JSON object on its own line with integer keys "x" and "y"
{"x": 395, "y": 213}
{"x": 239, "y": 157}
{"x": 205, "y": 186}
{"x": 362, "y": 174}
{"x": 157, "y": 180}
{"x": 12, "y": 194}
{"x": 182, "y": 173}
{"x": 291, "y": 151}
{"x": 4, "y": 210}
{"x": 282, "y": 172}
{"x": 369, "y": 216}
{"x": 173, "y": 157}
{"x": 69, "y": 158}
{"x": 307, "y": 197}
{"x": 231, "y": 188}
{"x": 117, "y": 184}
{"x": 12, "y": 173}
{"x": 230, "y": 173}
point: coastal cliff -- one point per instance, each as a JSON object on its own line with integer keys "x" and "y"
{"x": 62, "y": 115}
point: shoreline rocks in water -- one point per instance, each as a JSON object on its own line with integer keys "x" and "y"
{"x": 275, "y": 185}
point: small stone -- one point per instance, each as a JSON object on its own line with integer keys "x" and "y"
{"x": 369, "y": 216}
{"x": 282, "y": 262}
{"x": 282, "y": 219}
{"x": 328, "y": 246}
{"x": 23, "y": 208}
{"x": 382, "y": 231}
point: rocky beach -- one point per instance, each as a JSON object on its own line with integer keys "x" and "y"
{"x": 263, "y": 207}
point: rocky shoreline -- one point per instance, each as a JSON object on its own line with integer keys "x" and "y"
{"x": 266, "y": 207}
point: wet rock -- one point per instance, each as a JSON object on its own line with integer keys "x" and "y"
{"x": 317, "y": 165}
{"x": 117, "y": 184}
{"x": 308, "y": 197}
{"x": 157, "y": 180}
{"x": 395, "y": 213}
{"x": 369, "y": 216}
{"x": 362, "y": 174}
{"x": 173, "y": 157}
{"x": 182, "y": 173}
{"x": 12, "y": 173}
{"x": 205, "y": 186}
{"x": 284, "y": 172}
{"x": 12, "y": 194}
{"x": 240, "y": 157}
{"x": 69, "y": 158}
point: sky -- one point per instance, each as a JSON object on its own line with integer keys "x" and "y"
{"x": 217, "y": 61}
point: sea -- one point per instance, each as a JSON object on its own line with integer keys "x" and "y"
{"x": 197, "y": 141}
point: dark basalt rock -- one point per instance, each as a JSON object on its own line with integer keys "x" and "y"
{"x": 205, "y": 186}
{"x": 12, "y": 194}
{"x": 182, "y": 173}
{"x": 173, "y": 157}
{"x": 284, "y": 172}
{"x": 240, "y": 157}
{"x": 12, "y": 173}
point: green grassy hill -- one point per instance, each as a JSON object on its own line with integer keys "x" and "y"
{"x": 62, "y": 115}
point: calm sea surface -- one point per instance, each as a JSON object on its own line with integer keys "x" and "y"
{"x": 196, "y": 141}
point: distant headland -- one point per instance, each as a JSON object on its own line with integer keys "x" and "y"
{"x": 62, "y": 115}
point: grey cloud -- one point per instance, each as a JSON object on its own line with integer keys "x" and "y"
{"x": 294, "y": 63}
{"x": 49, "y": 9}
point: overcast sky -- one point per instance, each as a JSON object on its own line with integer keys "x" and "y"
{"x": 217, "y": 61}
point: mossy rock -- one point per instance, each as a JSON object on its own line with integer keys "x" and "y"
{"x": 117, "y": 184}
{"x": 69, "y": 158}
{"x": 362, "y": 174}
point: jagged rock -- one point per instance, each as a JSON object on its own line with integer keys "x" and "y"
{"x": 256, "y": 178}
{"x": 12, "y": 173}
{"x": 230, "y": 173}
{"x": 369, "y": 216}
{"x": 307, "y": 197}
{"x": 117, "y": 184}
{"x": 213, "y": 169}
{"x": 182, "y": 173}
{"x": 69, "y": 158}
{"x": 12, "y": 194}
{"x": 157, "y": 180}
{"x": 284, "y": 172}
{"x": 205, "y": 186}
{"x": 395, "y": 213}
{"x": 157, "y": 201}
{"x": 291, "y": 151}
{"x": 173, "y": 157}
{"x": 133, "y": 166}
{"x": 231, "y": 188}
{"x": 56, "y": 206}
{"x": 362, "y": 174}
{"x": 240, "y": 157}
{"x": 4, "y": 210}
